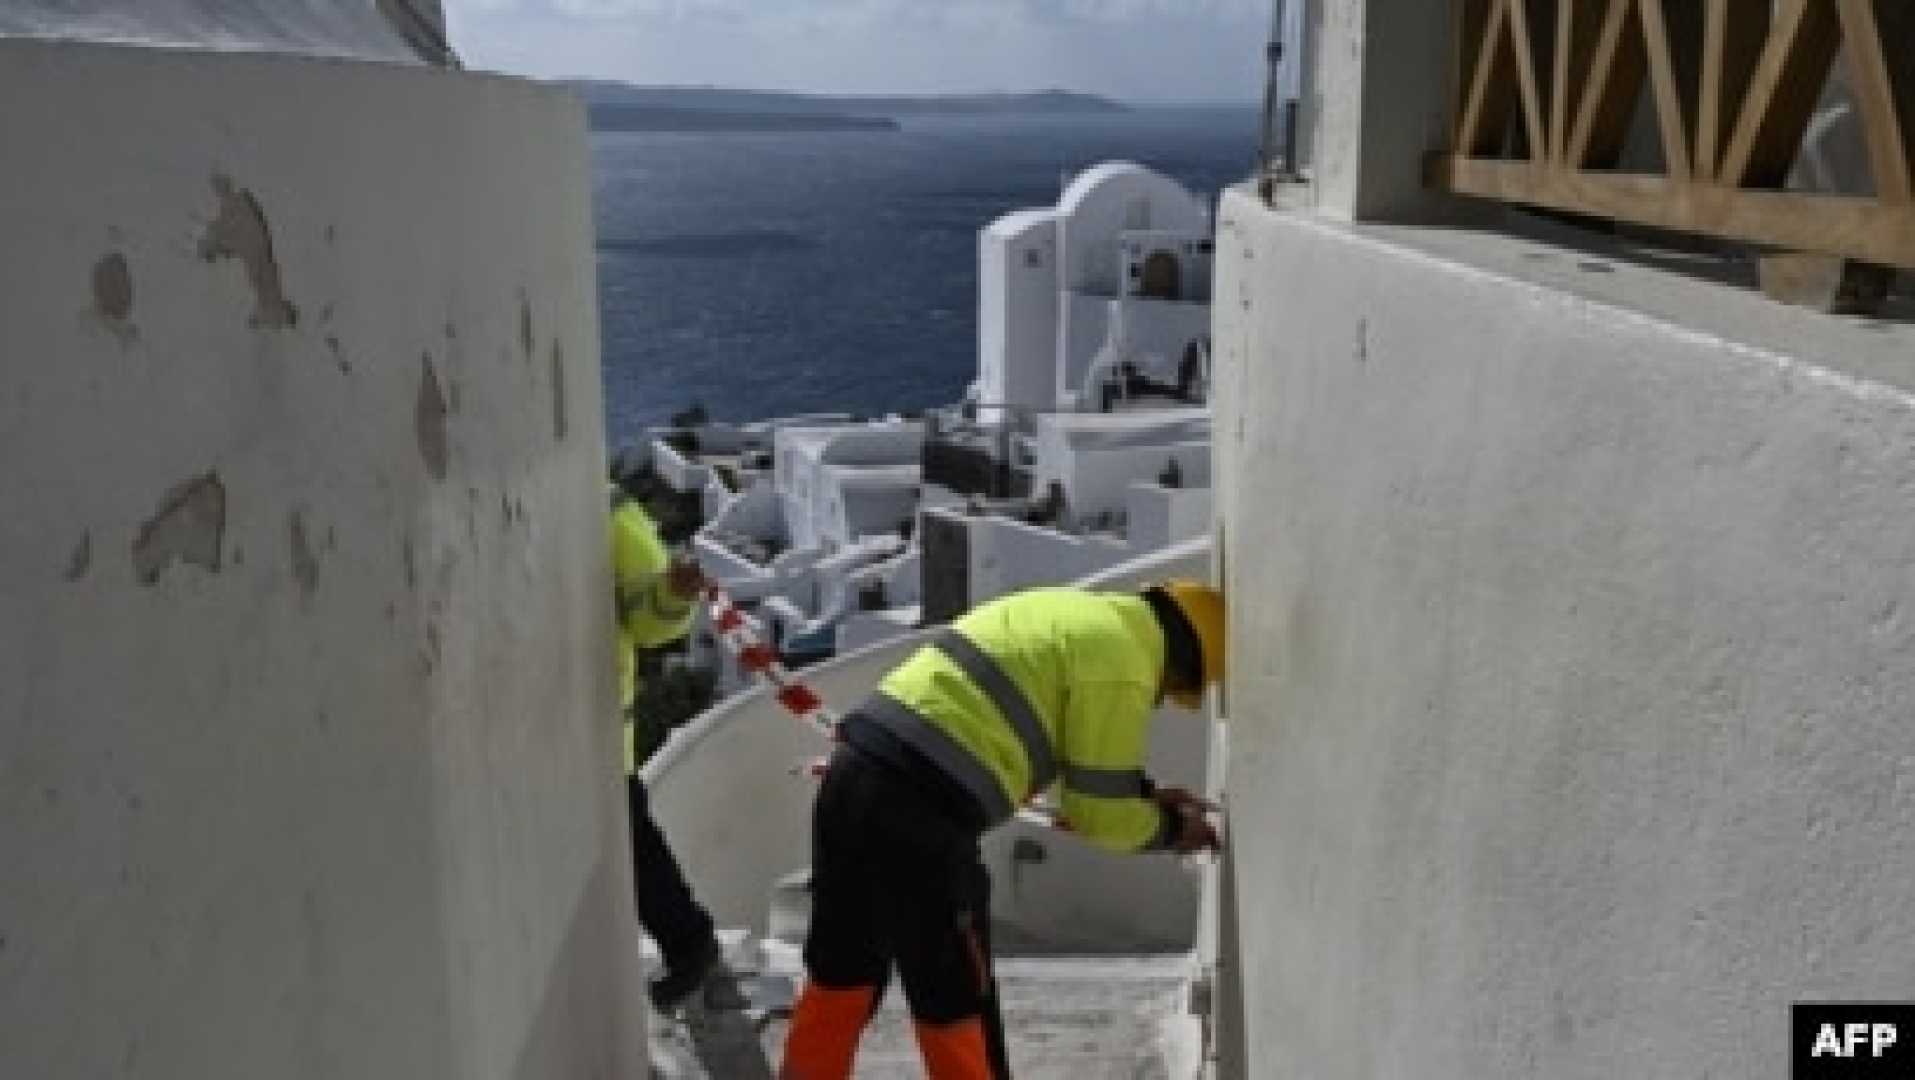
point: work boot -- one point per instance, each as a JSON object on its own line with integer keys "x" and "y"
{"x": 672, "y": 988}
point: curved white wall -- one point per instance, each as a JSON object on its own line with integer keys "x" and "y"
{"x": 738, "y": 820}
{"x": 1572, "y": 605}
{"x": 308, "y": 764}
{"x": 1104, "y": 201}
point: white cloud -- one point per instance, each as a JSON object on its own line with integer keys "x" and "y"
{"x": 1139, "y": 49}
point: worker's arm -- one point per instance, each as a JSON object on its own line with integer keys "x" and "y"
{"x": 655, "y": 595}
{"x": 662, "y": 609}
{"x": 1106, "y": 797}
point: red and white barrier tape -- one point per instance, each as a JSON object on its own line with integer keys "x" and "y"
{"x": 761, "y": 660}
{"x": 734, "y": 628}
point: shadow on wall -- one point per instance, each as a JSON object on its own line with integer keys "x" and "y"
{"x": 577, "y": 1029}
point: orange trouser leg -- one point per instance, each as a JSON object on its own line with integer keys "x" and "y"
{"x": 825, "y": 1025}
{"x": 955, "y": 1051}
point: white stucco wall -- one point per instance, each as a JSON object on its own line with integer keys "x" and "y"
{"x": 1190, "y": 249}
{"x": 679, "y": 473}
{"x": 820, "y": 469}
{"x": 1376, "y": 106}
{"x": 757, "y": 513}
{"x": 1083, "y": 327}
{"x": 308, "y": 764}
{"x": 1008, "y": 555}
{"x": 871, "y": 445}
{"x": 1152, "y": 334}
{"x": 1107, "y": 200}
{"x": 1097, "y": 456}
{"x": 866, "y": 628}
{"x": 1017, "y": 311}
{"x": 1573, "y": 605}
{"x": 1156, "y": 516}
{"x": 388, "y": 30}
{"x": 1098, "y": 207}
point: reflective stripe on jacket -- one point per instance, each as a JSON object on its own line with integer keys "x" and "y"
{"x": 1044, "y": 686}
{"x": 648, "y": 614}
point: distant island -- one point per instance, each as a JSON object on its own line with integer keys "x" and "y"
{"x": 655, "y": 118}
{"x": 612, "y": 106}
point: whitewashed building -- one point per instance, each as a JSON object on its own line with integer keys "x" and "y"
{"x": 1083, "y": 442}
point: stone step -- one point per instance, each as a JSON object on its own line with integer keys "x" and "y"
{"x": 1065, "y": 1018}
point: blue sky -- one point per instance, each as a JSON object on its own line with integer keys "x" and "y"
{"x": 1139, "y": 50}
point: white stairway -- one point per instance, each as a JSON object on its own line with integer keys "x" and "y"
{"x": 1094, "y": 1018}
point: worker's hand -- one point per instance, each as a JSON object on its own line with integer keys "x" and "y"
{"x": 1195, "y": 833}
{"x": 1176, "y": 798}
{"x": 684, "y": 579}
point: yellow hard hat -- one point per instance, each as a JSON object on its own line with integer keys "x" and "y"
{"x": 1203, "y": 609}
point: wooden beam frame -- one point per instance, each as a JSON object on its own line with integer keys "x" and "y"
{"x": 1577, "y": 29}
{"x": 1609, "y": 97}
{"x": 1875, "y": 99}
{"x": 1788, "y": 80}
{"x": 1733, "y": 35}
{"x": 1733, "y": 89}
{"x": 1851, "y": 226}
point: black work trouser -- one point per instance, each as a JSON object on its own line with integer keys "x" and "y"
{"x": 894, "y": 879}
{"x": 666, "y": 907}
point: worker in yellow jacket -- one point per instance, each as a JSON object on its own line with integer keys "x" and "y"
{"x": 654, "y": 596}
{"x": 1041, "y": 688}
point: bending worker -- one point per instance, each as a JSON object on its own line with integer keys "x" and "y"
{"x": 1050, "y": 685}
{"x": 654, "y": 595}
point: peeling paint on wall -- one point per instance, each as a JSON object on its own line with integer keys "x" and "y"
{"x": 338, "y": 354}
{"x": 188, "y": 527}
{"x": 305, "y": 564}
{"x": 411, "y": 560}
{"x": 429, "y": 417}
{"x": 558, "y": 392}
{"x": 81, "y": 558}
{"x": 525, "y": 324}
{"x": 240, "y": 232}
{"x": 113, "y": 294}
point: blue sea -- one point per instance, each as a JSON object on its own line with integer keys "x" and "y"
{"x": 762, "y": 274}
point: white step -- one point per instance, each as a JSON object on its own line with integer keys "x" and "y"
{"x": 1065, "y": 1018}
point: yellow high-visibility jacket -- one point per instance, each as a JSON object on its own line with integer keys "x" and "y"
{"x": 1040, "y": 687}
{"x": 648, "y": 614}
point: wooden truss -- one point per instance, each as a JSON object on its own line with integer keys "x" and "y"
{"x": 1545, "y": 92}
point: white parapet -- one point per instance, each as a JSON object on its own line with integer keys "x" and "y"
{"x": 1096, "y": 457}
{"x": 1005, "y": 555}
{"x": 1158, "y": 516}
{"x": 679, "y": 473}
{"x": 308, "y": 754}
{"x": 1572, "y": 605}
